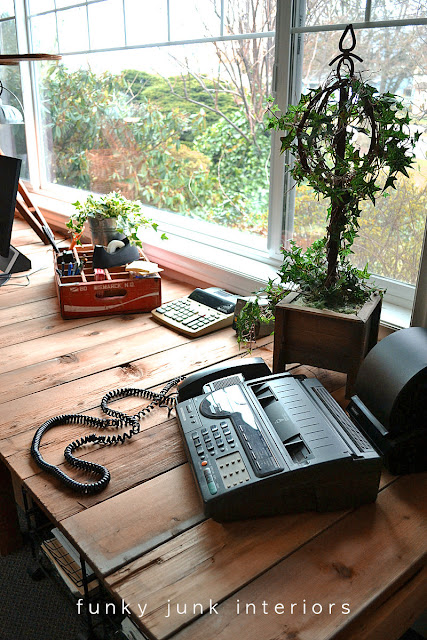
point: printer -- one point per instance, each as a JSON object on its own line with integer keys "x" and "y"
{"x": 262, "y": 444}
{"x": 390, "y": 401}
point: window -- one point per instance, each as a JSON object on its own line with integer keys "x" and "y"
{"x": 12, "y": 137}
{"x": 165, "y": 108}
{"x": 166, "y": 101}
{"x": 395, "y": 60}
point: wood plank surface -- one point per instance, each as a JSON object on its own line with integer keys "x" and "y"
{"x": 145, "y": 534}
{"x": 94, "y": 339}
{"x": 334, "y": 567}
{"x": 11, "y": 296}
{"x": 83, "y": 394}
{"x": 149, "y": 515}
{"x": 40, "y": 319}
{"x": 383, "y": 621}
{"x": 205, "y": 557}
{"x": 10, "y": 316}
{"x": 154, "y": 451}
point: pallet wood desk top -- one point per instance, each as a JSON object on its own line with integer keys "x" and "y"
{"x": 343, "y": 575}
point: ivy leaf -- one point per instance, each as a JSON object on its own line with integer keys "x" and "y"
{"x": 390, "y": 182}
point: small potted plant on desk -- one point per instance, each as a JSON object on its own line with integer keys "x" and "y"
{"x": 343, "y": 137}
{"x": 111, "y": 217}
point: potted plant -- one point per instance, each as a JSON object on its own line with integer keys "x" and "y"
{"x": 111, "y": 217}
{"x": 348, "y": 143}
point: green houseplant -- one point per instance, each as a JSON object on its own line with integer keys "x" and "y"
{"x": 124, "y": 217}
{"x": 348, "y": 142}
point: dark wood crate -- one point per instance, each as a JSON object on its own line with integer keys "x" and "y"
{"x": 323, "y": 338}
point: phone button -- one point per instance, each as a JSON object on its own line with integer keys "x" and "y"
{"x": 210, "y": 481}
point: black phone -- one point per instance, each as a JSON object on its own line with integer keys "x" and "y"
{"x": 250, "y": 368}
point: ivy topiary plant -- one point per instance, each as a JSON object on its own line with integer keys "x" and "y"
{"x": 348, "y": 143}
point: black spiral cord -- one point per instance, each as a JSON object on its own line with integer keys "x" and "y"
{"x": 120, "y": 420}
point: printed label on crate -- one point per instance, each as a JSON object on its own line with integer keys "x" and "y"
{"x": 78, "y": 289}
{"x": 114, "y": 285}
{"x": 71, "y": 308}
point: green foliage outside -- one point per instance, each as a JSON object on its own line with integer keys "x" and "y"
{"x": 241, "y": 173}
{"x": 128, "y": 132}
{"x": 390, "y": 234}
{"x": 108, "y": 132}
{"x": 158, "y": 90}
{"x": 100, "y": 139}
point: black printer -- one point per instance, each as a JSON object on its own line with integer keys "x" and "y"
{"x": 390, "y": 404}
{"x": 262, "y": 444}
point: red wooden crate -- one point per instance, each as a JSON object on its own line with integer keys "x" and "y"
{"x": 81, "y": 295}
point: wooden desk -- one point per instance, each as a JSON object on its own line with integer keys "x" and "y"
{"x": 146, "y": 536}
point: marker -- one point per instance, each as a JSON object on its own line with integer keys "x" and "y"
{"x": 70, "y": 268}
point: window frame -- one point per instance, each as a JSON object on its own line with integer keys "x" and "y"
{"x": 289, "y": 31}
{"x": 398, "y": 293}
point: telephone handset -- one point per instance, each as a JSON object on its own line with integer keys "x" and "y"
{"x": 249, "y": 368}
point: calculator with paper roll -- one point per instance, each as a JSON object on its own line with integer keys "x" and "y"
{"x": 203, "y": 311}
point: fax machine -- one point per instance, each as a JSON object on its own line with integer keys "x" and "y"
{"x": 262, "y": 444}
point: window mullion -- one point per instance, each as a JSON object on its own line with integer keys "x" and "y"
{"x": 419, "y": 312}
{"x": 286, "y": 89}
{"x": 222, "y": 18}
{"x": 23, "y": 41}
{"x": 280, "y": 88}
{"x": 169, "y": 19}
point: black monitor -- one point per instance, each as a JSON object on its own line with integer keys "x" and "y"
{"x": 11, "y": 260}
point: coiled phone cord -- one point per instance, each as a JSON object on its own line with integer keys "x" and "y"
{"x": 120, "y": 420}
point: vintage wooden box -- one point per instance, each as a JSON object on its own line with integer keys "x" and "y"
{"x": 84, "y": 295}
{"x": 325, "y": 339}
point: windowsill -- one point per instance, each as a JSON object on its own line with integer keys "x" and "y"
{"x": 240, "y": 275}
{"x": 201, "y": 263}
{"x": 395, "y": 317}
{"x": 195, "y": 260}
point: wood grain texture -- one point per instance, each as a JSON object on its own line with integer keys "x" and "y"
{"x": 145, "y": 534}
{"x": 136, "y": 522}
{"x": 361, "y": 561}
{"x": 383, "y": 622}
{"x": 136, "y": 341}
{"x": 152, "y": 453}
{"x": 42, "y": 319}
{"x": 204, "y": 560}
{"x": 325, "y": 338}
{"x": 82, "y": 394}
{"x": 10, "y": 316}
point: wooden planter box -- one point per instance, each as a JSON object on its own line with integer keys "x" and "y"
{"x": 323, "y": 338}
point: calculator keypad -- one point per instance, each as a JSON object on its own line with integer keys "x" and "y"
{"x": 190, "y": 315}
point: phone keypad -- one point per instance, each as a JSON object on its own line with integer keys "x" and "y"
{"x": 213, "y": 440}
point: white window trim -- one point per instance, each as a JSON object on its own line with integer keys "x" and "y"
{"x": 243, "y": 271}
{"x": 419, "y": 311}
